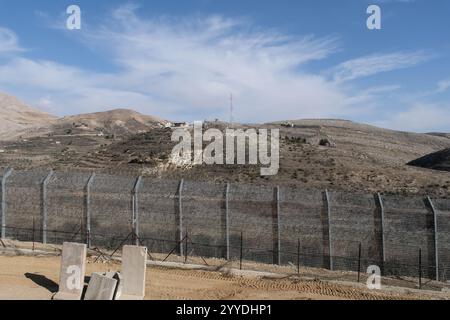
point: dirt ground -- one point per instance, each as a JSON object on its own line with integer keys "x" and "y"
{"x": 36, "y": 277}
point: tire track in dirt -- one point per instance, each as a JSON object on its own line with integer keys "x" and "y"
{"x": 317, "y": 288}
{"x": 168, "y": 283}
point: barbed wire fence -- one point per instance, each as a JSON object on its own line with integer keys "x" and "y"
{"x": 242, "y": 225}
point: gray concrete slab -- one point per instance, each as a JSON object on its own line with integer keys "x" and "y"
{"x": 101, "y": 287}
{"x": 134, "y": 267}
{"x": 72, "y": 272}
{"x": 118, "y": 277}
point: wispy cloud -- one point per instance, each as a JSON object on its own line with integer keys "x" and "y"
{"x": 8, "y": 41}
{"x": 443, "y": 85}
{"x": 378, "y": 63}
{"x": 186, "y": 68}
{"x": 422, "y": 117}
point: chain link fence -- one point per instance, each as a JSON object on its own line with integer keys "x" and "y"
{"x": 232, "y": 223}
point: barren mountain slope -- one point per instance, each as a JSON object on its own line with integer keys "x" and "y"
{"x": 440, "y": 134}
{"x": 341, "y": 155}
{"x": 372, "y": 143}
{"x": 15, "y": 115}
{"x": 332, "y": 154}
{"x": 118, "y": 121}
{"x": 335, "y": 154}
{"x": 113, "y": 122}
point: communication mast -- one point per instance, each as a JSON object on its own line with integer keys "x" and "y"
{"x": 231, "y": 109}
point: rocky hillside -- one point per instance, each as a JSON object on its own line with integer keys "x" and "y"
{"x": 15, "y": 115}
{"x": 333, "y": 154}
{"x": 118, "y": 121}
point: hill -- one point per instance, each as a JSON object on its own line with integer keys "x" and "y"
{"x": 369, "y": 142}
{"x": 118, "y": 121}
{"x": 440, "y": 134}
{"x": 329, "y": 153}
{"x": 15, "y": 115}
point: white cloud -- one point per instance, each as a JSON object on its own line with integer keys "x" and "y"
{"x": 8, "y": 41}
{"x": 420, "y": 118}
{"x": 197, "y": 63}
{"x": 443, "y": 86}
{"x": 377, "y": 63}
{"x": 185, "y": 69}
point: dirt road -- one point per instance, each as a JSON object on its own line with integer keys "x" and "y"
{"x": 36, "y": 278}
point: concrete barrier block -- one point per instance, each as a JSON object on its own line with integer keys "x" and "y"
{"x": 118, "y": 277}
{"x": 73, "y": 269}
{"x": 134, "y": 267}
{"x": 101, "y": 287}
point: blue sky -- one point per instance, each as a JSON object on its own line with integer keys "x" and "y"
{"x": 281, "y": 59}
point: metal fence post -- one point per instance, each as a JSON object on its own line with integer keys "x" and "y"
{"x": 241, "y": 253}
{"x": 420, "y": 268}
{"x": 7, "y": 173}
{"x": 383, "y": 248}
{"x": 34, "y": 237}
{"x": 359, "y": 262}
{"x": 87, "y": 208}
{"x": 186, "y": 237}
{"x": 330, "y": 245}
{"x": 180, "y": 215}
{"x": 436, "y": 251}
{"x": 135, "y": 210}
{"x": 227, "y": 220}
{"x": 277, "y": 257}
{"x": 298, "y": 256}
{"x": 44, "y": 212}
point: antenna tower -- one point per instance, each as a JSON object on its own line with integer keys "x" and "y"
{"x": 231, "y": 109}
